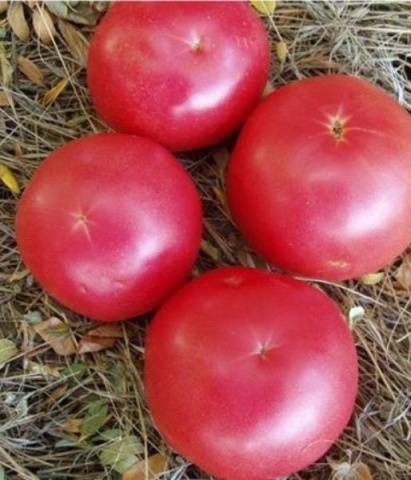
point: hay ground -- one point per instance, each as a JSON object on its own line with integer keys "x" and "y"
{"x": 41, "y": 392}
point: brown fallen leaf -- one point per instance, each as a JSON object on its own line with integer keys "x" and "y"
{"x": 269, "y": 88}
{"x": 42, "y": 369}
{"x": 113, "y": 330}
{"x": 16, "y": 276}
{"x": 3, "y": 6}
{"x": 73, "y": 425}
{"x": 362, "y": 472}
{"x": 58, "y": 393}
{"x": 95, "y": 344}
{"x": 5, "y": 99}
{"x": 155, "y": 465}
{"x": 76, "y": 41}
{"x": 54, "y": 92}
{"x": 58, "y": 335}
{"x": 43, "y": 25}
{"x": 30, "y": 70}
{"x": 18, "y": 152}
{"x": 210, "y": 250}
{"x": 17, "y": 21}
{"x": 403, "y": 274}
{"x": 5, "y": 66}
{"x": 221, "y": 157}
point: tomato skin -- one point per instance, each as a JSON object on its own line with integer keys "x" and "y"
{"x": 316, "y": 205}
{"x": 237, "y": 413}
{"x": 185, "y": 74}
{"x": 110, "y": 225}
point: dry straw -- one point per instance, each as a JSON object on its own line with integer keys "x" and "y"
{"x": 84, "y": 415}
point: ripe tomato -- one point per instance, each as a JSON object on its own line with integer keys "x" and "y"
{"x": 110, "y": 225}
{"x": 185, "y": 74}
{"x": 320, "y": 180}
{"x": 250, "y": 375}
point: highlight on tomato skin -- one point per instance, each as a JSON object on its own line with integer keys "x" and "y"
{"x": 250, "y": 375}
{"x": 185, "y": 74}
{"x": 110, "y": 225}
{"x": 319, "y": 180}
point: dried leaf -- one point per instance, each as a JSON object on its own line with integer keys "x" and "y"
{"x": 210, "y": 250}
{"x": 5, "y": 99}
{"x": 73, "y": 425}
{"x": 355, "y": 314}
{"x": 121, "y": 454}
{"x": 58, "y": 393}
{"x": 32, "y": 3}
{"x": 97, "y": 416}
{"x": 60, "y": 9}
{"x": 3, "y": 6}
{"x": 95, "y": 344}
{"x": 7, "y": 350}
{"x": 16, "y": 276}
{"x": 76, "y": 41}
{"x": 266, "y": 7}
{"x": 30, "y": 70}
{"x": 6, "y": 68}
{"x": 18, "y": 152}
{"x": 43, "y": 25}
{"x": 372, "y": 278}
{"x": 281, "y": 51}
{"x": 58, "y": 335}
{"x": 221, "y": 157}
{"x": 82, "y": 13}
{"x": 403, "y": 274}
{"x": 8, "y": 178}
{"x": 42, "y": 369}
{"x": 111, "y": 330}
{"x": 17, "y": 21}
{"x": 55, "y": 91}
{"x": 362, "y": 472}
{"x": 156, "y": 465}
{"x": 269, "y": 88}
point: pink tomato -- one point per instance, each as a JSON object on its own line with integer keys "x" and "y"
{"x": 185, "y": 74}
{"x": 250, "y": 375}
{"x": 110, "y": 225}
{"x": 320, "y": 180}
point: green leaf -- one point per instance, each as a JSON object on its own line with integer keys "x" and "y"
{"x": 67, "y": 441}
{"x": 110, "y": 434}
{"x": 123, "y": 465}
{"x": 74, "y": 370}
{"x": 121, "y": 454}
{"x": 7, "y": 350}
{"x": 97, "y": 416}
{"x": 33, "y": 317}
{"x": 2, "y": 473}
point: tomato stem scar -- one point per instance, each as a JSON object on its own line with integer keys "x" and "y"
{"x": 197, "y": 44}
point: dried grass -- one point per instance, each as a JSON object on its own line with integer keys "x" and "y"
{"x": 38, "y": 396}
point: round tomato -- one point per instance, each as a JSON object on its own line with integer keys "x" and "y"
{"x": 110, "y": 225}
{"x": 185, "y": 74}
{"x": 250, "y": 375}
{"x": 320, "y": 179}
